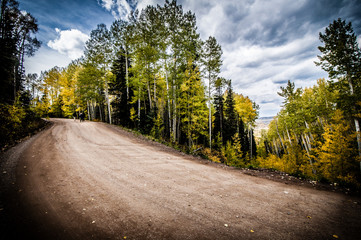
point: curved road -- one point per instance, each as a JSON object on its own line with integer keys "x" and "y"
{"x": 95, "y": 181}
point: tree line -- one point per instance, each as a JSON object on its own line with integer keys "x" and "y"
{"x": 153, "y": 73}
{"x": 317, "y": 134}
{"x": 17, "y": 40}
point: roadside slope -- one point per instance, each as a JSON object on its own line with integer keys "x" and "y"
{"x": 94, "y": 181}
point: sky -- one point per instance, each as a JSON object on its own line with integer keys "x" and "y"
{"x": 265, "y": 43}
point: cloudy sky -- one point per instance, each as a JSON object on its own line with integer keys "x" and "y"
{"x": 264, "y": 42}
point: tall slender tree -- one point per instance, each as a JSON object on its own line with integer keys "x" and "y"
{"x": 212, "y": 63}
{"x": 98, "y": 51}
{"x": 219, "y": 109}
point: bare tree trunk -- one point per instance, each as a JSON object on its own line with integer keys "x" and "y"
{"x": 108, "y": 101}
{"x": 251, "y": 143}
{"x": 276, "y": 148}
{"x": 357, "y": 124}
{"x": 210, "y": 112}
{"x": 174, "y": 112}
{"x": 168, "y": 101}
{"x": 149, "y": 95}
{"x": 288, "y": 134}
{"x": 138, "y": 105}
{"x": 87, "y": 104}
{"x": 308, "y": 153}
{"x": 279, "y": 136}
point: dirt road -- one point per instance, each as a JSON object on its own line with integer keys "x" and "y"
{"x": 94, "y": 181}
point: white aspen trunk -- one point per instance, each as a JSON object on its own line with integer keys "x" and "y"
{"x": 307, "y": 126}
{"x": 108, "y": 101}
{"x": 320, "y": 120}
{"x": 87, "y": 104}
{"x": 251, "y": 148}
{"x": 276, "y": 149}
{"x": 139, "y": 104}
{"x": 288, "y": 134}
{"x": 174, "y": 112}
{"x": 279, "y": 136}
{"x": 357, "y": 124}
{"x": 174, "y": 115}
{"x": 210, "y": 113}
{"x": 169, "y": 113}
{"x": 154, "y": 87}
{"x": 308, "y": 153}
{"x": 149, "y": 95}
{"x": 92, "y": 109}
{"x": 308, "y": 142}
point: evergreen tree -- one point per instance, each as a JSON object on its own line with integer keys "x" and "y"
{"x": 230, "y": 115}
{"x": 118, "y": 87}
{"x": 341, "y": 58}
{"x": 16, "y": 42}
{"x": 219, "y": 109}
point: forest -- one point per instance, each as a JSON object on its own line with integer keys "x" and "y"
{"x": 153, "y": 74}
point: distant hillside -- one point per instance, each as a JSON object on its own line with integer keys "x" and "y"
{"x": 262, "y": 123}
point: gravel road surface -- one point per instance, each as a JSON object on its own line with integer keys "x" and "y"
{"x": 95, "y": 181}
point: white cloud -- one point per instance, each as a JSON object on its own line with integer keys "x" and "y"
{"x": 107, "y": 4}
{"x": 120, "y": 9}
{"x": 264, "y": 43}
{"x": 45, "y": 59}
{"x": 69, "y": 42}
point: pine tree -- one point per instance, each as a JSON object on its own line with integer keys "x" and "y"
{"x": 219, "y": 109}
{"x": 230, "y": 115}
{"x": 16, "y": 42}
{"x": 119, "y": 88}
{"x": 341, "y": 58}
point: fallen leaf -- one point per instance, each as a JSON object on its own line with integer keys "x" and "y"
{"x": 309, "y": 217}
{"x": 335, "y": 236}
{"x": 252, "y": 231}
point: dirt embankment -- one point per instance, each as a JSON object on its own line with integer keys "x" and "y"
{"x": 94, "y": 181}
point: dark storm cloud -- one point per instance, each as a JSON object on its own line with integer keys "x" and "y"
{"x": 275, "y": 24}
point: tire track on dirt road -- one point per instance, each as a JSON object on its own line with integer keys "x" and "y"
{"x": 95, "y": 181}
